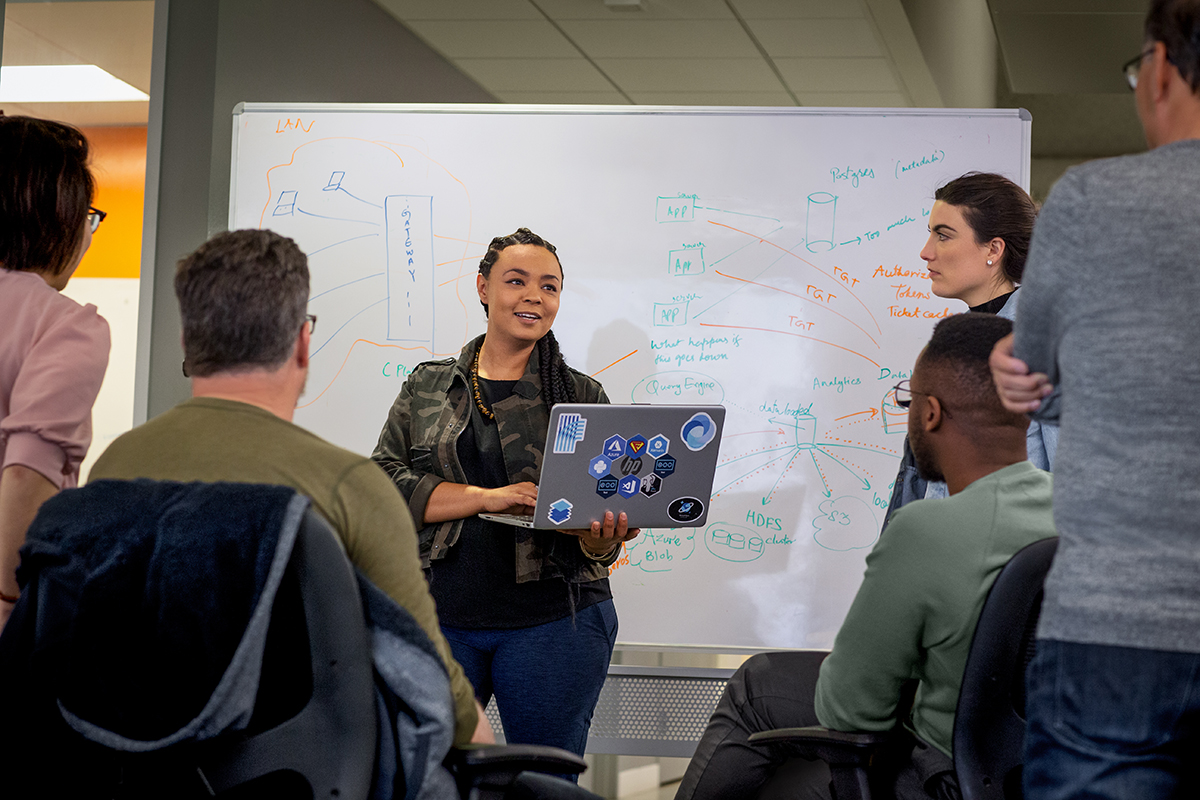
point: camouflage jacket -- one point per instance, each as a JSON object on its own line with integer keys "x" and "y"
{"x": 418, "y": 450}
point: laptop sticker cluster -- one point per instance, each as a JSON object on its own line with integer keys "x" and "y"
{"x": 619, "y": 467}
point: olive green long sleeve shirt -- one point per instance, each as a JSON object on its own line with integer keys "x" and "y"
{"x": 914, "y": 615}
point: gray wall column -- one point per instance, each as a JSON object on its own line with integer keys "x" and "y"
{"x": 222, "y": 52}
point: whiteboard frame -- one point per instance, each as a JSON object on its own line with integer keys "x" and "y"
{"x": 1021, "y": 114}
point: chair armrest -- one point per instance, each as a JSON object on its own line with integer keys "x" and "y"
{"x": 833, "y": 747}
{"x": 489, "y": 771}
{"x": 514, "y": 758}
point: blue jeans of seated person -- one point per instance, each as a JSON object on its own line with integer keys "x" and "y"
{"x": 546, "y": 678}
{"x": 1112, "y": 722}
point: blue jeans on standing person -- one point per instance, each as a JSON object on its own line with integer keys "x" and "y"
{"x": 1112, "y": 722}
{"x": 546, "y": 678}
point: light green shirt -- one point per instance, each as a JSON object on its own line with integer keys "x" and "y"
{"x": 207, "y": 439}
{"x": 915, "y": 613}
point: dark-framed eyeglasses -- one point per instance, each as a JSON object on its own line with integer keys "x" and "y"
{"x": 311, "y": 319}
{"x": 903, "y": 393}
{"x": 1133, "y": 66}
{"x": 94, "y": 217}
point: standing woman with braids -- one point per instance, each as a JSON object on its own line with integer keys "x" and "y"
{"x": 528, "y": 613}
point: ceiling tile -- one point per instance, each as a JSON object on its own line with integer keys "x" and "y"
{"x": 115, "y": 35}
{"x": 854, "y": 99}
{"x": 691, "y": 74}
{"x": 797, "y": 9}
{"x": 773, "y": 99}
{"x": 810, "y": 38}
{"x": 661, "y": 39}
{"x": 494, "y": 39}
{"x": 408, "y": 10}
{"x": 1066, "y": 53}
{"x": 563, "y": 98}
{"x": 23, "y": 47}
{"x": 534, "y": 74}
{"x": 1070, "y": 6}
{"x": 837, "y": 74}
{"x": 650, "y": 9}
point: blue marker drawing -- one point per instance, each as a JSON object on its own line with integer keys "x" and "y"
{"x": 409, "y": 224}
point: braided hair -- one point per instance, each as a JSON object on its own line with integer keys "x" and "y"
{"x": 557, "y": 384}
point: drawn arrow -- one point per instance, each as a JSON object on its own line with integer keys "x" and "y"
{"x": 866, "y": 484}
{"x": 766, "y": 500}
{"x": 828, "y": 492}
{"x": 855, "y": 240}
{"x": 747, "y": 433}
{"x": 874, "y": 412}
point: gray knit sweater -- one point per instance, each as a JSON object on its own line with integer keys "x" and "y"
{"x": 1110, "y": 309}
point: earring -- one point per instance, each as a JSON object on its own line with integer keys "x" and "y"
{"x": 989, "y": 262}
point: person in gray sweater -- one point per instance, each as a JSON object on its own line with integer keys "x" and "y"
{"x": 1108, "y": 315}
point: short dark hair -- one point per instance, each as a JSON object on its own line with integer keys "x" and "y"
{"x": 957, "y": 360}
{"x": 995, "y": 207}
{"x": 243, "y": 296}
{"x": 1176, "y": 23}
{"x": 45, "y": 191}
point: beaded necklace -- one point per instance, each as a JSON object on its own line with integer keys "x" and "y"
{"x": 483, "y": 409}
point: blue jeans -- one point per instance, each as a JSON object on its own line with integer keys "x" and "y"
{"x": 1111, "y": 722}
{"x": 546, "y": 678}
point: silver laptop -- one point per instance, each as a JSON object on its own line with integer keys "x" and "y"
{"x": 655, "y": 463}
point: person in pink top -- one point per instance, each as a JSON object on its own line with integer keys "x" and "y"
{"x": 53, "y": 351}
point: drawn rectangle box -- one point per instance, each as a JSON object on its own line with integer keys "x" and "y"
{"x": 686, "y": 261}
{"x": 670, "y": 314}
{"x": 408, "y": 223}
{"x": 675, "y": 209}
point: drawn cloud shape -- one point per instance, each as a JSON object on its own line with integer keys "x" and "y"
{"x": 845, "y": 523}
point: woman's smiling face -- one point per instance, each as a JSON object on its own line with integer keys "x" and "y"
{"x": 958, "y": 264}
{"x": 521, "y": 292}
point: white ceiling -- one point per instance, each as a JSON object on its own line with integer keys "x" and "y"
{"x": 677, "y": 52}
{"x": 115, "y": 35}
{"x": 1058, "y": 58}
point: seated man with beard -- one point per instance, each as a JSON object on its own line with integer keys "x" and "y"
{"x": 915, "y": 613}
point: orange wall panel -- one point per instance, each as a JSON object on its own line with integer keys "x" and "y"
{"x": 119, "y": 164}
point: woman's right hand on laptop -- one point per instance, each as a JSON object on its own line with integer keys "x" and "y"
{"x": 519, "y": 498}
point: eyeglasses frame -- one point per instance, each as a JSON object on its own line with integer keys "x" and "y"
{"x": 905, "y": 404}
{"x": 94, "y": 217}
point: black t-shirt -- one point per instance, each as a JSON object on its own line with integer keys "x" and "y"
{"x": 994, "y": 305}
{"x": 475, "y": 584}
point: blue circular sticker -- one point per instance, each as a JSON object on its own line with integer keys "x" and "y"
{"x": 698, "y": 431}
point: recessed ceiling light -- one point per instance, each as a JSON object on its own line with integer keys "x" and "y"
{"x": 64, "y": 83}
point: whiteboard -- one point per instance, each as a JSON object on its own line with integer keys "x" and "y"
{"x": 763, "y": 259}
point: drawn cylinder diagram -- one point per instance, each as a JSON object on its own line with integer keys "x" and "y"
{"x": 818, "y": 232}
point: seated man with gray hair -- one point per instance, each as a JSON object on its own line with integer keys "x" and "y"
{"x": 243, "y": 299}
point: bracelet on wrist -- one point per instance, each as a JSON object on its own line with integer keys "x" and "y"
{"x": 600, "y": 556}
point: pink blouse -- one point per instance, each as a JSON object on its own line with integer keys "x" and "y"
{"x": 53, "y": 353}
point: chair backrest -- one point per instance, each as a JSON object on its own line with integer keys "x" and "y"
{"x": 989, "y": 724}
{"x": 313, "y": 731}
{"x": 331, "y": 742}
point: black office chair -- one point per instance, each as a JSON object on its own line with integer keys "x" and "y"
{"x": 989, "y": 723}
{"x": 313, "y": 727}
